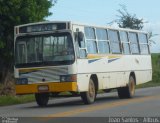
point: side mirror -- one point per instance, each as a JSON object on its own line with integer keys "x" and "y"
{"x": 80, "y": 36}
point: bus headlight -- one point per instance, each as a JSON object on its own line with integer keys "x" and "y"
{"x": 22, "y": 81}
{"x": 68, "y": 78}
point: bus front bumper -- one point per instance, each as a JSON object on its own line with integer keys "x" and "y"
{"x": 46, "y": 87}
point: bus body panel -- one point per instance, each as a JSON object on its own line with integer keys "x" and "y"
{"x": 114, "y": 73}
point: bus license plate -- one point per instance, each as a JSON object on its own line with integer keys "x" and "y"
{"x": 43, "y": 88}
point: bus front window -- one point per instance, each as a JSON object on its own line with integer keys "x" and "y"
{"x": 55, "y": 49}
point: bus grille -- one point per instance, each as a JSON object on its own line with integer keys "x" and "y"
{"x": 45, "y": 75}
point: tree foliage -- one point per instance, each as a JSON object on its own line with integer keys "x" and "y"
{"x": 127, "y": 20}
{"x": 150, "y": 36}
{"x": 12, "y": 13}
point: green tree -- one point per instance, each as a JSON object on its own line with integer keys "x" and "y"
{"x": 12, "y": 13}
{"x": 150, "y": 36}
{"x": 127, "y": 20}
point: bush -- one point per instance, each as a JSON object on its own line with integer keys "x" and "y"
{"x": 156, "y": 68}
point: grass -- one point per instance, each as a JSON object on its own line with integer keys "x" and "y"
{"x": 11, "y": 100}
{"x": 156, "y": 68}
{"x": 156, "y": 72}
{"x": 148, "y": 84}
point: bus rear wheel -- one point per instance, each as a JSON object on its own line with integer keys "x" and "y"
{"x": 129, "y": 90}
{"x": 89, "y": 96}
{"x": 42, "y": 99}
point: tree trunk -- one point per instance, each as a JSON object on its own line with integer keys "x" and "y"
{"x": 8, "y": 86}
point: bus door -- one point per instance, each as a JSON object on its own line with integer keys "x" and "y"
{"x": 22, "y": 53}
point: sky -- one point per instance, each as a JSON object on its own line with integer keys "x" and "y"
{"x": 102, "y": 12}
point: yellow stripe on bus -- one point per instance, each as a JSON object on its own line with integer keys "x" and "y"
{"x": 25, "y": 70}
{"x": 96, "y": 56}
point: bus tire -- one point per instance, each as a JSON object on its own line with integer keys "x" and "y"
{"x": 89, "y": 96}
{"x": 42, "y": 99}
{"x": 129, "y": 90}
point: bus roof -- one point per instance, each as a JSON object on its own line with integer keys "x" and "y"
{"x": 83, "y": 24}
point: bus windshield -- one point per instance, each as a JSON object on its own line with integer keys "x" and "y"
{"x": 40, "y": 50}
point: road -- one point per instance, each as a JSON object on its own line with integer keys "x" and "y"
{"x": 146, "y": 103}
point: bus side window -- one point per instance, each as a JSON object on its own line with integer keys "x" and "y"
{"x": 134, "y": 43}
{"x": 90, "y": 40}
{"x": 103, "y": 43}
{"x": 125, "y": 42}
{"x": 144, "y": 47}
{"x": 114, "y": 41}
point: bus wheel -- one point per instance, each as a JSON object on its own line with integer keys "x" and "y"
{"x": 42, "y": 99}
{"x": 89, "y": 96}
{"x": 129, "y": 90}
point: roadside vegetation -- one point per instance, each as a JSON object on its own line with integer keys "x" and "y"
{"x": 155, "y": 72}
{"x": 11, "y": 100}
{"x": 8, "y": 96}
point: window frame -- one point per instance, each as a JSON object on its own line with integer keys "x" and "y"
{"x": 119, "y": 41}
{"x": 94, "y": 40}
{"x": 125, "y": 42}
{"x": 103, "y": 40}
{"x": 132, "y": 43}
{"x": 146, "y": 44}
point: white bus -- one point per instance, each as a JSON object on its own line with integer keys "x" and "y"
{"x": 55, "y": 57}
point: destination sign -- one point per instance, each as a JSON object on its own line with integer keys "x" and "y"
{"x": 42, "y": 27}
